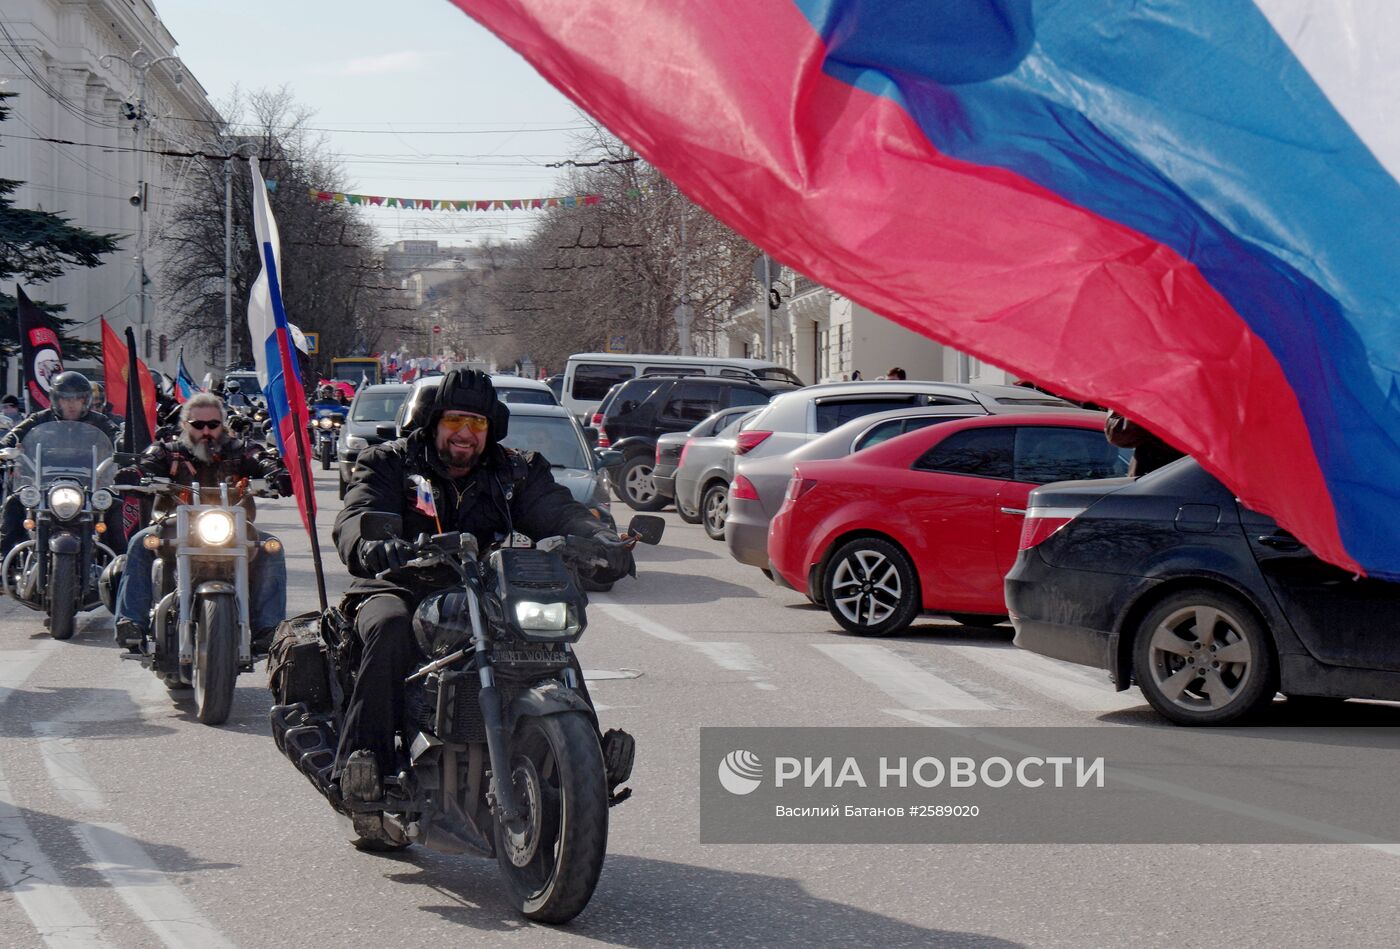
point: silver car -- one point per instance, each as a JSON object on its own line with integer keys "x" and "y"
{"x": 702, "y": 480}
{"x": 755, "y": 499}
{"x": 671, "y": 445}
{"x": 555, "y": 434}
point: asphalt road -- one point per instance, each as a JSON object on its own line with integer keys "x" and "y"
{"x": 124, "y": 822}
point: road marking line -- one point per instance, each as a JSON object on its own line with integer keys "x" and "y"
{"x": 58, "y": 918}
{"x": 1055, "y": 680}
{"x": 732, "y": 657}
{"x": 143, "y": 886}
{"x": 641, "y": 623}
{"x": 920, "y": 718}
{"x": 900, "y": 679}
{"x": 17, "y": 665}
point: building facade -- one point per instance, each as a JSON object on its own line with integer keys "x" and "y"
{"x": 78, "y": 81}
{"x": 826, "y": 337}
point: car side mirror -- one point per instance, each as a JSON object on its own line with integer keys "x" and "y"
{"x": 590, "y": 435}
{"x": 609, "y": 457}
{"x": 386, "y": 430}
{"x": 648, "y": 528}
{"x": 380, "y": 525}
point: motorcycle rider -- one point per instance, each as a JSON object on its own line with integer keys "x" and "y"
{"x": 71, "y": 395}
{"x": 235, "y": 397}
{"x": 479, "y": 487}
{"x": 204, "y": 452}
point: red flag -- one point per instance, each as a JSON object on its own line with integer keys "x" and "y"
{"x": 116, "y": 369}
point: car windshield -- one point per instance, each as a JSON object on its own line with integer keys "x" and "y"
{"x": 57, "y": 451}
{"x": 378, "y": 406}
{"x": 521, "y": 395}
{"x": 553, "y": 436}
{"x": 248, "y": 385}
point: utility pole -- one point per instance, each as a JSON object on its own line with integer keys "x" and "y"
{"x": 141, "y": 62}
{"x": 683, "y": 314}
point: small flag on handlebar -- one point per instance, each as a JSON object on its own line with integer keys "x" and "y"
{"x": 425, "y": 501}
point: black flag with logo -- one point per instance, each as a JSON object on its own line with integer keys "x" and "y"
{"x": 138, "y": 435}
{"x": 42, "y": 356}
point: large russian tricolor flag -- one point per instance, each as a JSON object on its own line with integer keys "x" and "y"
{"x": 1184, "y": 209}
{"x": 273, "y": 355}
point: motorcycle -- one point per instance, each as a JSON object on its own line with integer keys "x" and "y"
{"x": 199, "y": 635}
{"x": 501, "y": 748}
{"x": 325, "y": 430}
{"x": 62, "y": 472}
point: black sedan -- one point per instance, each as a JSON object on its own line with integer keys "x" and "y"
{"x": 372, "y": 407}
{"x": 1210, "y": 608}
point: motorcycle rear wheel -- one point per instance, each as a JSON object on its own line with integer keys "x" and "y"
{"x": 63, "y": 595}
{"x": 553, "y": 860}
{"x": 215, "y": 658}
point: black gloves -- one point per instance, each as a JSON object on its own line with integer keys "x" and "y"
{"x": 127, "y": 476}
{"x": 618, "y": 555}
{"x": 380, "y": 555}
{"x": 282, "y": 481}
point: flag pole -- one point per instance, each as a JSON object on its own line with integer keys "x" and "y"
{"x": 304, "y": 463}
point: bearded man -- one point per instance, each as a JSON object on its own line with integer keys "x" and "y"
{"x": 204, "y": 453}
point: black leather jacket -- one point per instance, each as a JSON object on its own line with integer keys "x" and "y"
{"x": 233, "y": 459}
{"x": 508, "y": 490}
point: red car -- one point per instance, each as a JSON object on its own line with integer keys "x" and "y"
{"x": 929, "y": 522}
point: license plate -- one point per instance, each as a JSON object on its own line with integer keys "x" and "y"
{"x": 526, "y": 656}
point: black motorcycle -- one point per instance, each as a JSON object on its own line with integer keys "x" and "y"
{"x": 199, "y": 635}
{"x": 502, "y": 754}
{"x": 61, "y": 472}
{"x": 325, "y": 431}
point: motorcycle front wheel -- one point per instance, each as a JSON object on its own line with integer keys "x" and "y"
{"x": 215, "y": 658}
{"x": 63, "y": 595}
{"x": 553, "y": 856}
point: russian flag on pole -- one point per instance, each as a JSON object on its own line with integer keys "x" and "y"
{"x": 273, "y": 354}
{"x": 1183, "y": 209}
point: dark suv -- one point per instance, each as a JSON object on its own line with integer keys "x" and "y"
{"x": 646, "y": 408}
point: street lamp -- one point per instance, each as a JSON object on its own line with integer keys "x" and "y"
{"x": 141, "y": 62}
{"x": 232, "y": 153}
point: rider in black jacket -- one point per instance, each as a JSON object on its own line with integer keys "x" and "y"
{"x": 479, "y": 487}
{"x": 72, "y": 400}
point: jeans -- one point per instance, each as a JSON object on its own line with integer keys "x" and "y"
{"x": 267, "y": 585}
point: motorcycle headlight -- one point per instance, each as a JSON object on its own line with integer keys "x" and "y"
{"x": 326, "y": 423}
{"x": 29, "y": 496}
{"x": 355, "y": 443}
{"x": 214, "y": 528}
{"x": 101, "y": 499}
{"x": 65, "y": 501}
{"x": 542, "y": 617}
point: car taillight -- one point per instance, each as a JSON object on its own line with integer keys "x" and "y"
{"x": 657, "y": 458}
{"x": 798, "y": 486}
{"x": 597, "y": 420}
{"x": 748, "y": 441}
{"x": 684, "y": 448}
{"x": 742, "y": 489}
{"x": 1043, "y": 522}
{"x": 603, "y": 441}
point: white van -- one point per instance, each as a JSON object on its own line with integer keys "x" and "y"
{"x": 589, "y": 376}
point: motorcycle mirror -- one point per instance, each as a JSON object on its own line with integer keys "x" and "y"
{"x": 380, "y": 525}
{"x": 647, "y": 528}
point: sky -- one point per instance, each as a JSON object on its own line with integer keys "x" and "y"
{"x": 425, "y": 103}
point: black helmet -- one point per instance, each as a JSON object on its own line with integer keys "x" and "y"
{"x": 467, "y": 390}
{"x": 232, "y": 386}
{"x": 72, "y": 385}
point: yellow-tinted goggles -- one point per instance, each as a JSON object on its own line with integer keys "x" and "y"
{"x": 455, "y": 423}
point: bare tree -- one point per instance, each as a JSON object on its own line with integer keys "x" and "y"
{"x": 329, "y": 262}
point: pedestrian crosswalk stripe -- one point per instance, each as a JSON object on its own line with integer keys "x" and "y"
{"x": 906, "y": 683}
{"x": 1055, "y": 680}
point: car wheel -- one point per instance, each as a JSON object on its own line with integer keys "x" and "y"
{"x": 1203, "y": 658}
{"x": 870, "y": 587}
{"x": 690, "y": 517}
{"x": 638, "y": 490}
{"x": 714, "y": 505}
